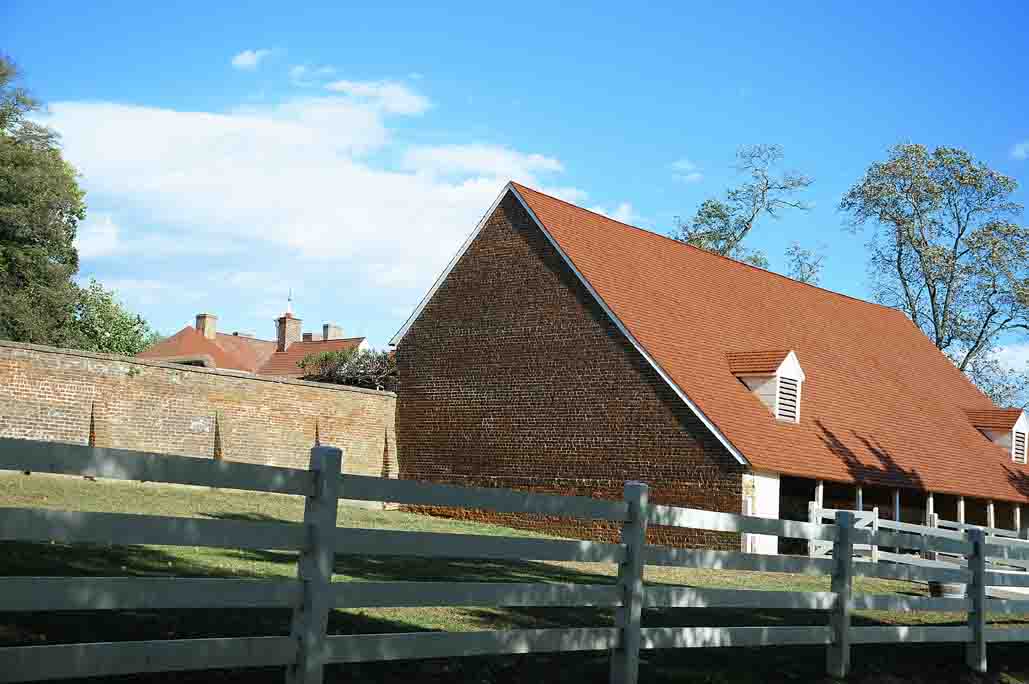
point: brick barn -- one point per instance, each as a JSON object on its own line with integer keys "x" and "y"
{"x": 562, "y": 351}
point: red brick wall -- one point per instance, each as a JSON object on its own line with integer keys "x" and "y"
{"x": 513, "y": 376}
{"x": 56, "y": 395}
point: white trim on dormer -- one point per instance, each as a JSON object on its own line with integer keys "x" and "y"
{"x": 790, "y": 368}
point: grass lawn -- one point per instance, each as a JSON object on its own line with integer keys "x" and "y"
{"x": 934, "y": 663}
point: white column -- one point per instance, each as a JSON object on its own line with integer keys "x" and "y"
{"x": 820, "y": 493}
{"x": 859, "y": 502}
{"x": 1018, "y": 519}
{"x": 961, "y": 509}
{"x": 930, "y": 507}
{"x": 991, "y": 517}
{"x": 896, "y": 505}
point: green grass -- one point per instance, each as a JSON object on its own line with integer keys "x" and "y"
{"x": 733, "y": 666}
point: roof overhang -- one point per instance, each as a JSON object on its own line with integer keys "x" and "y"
{"x": 510, "y": 188}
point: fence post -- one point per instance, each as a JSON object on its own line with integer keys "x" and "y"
{"x": 875, "y": 532}
{"x": 813, "y": 517}
{"x": 975, "y": 650}
{"x": 625, "y": 659}
{"x": 838, "y": 652}
{"x": 314, "y": 568}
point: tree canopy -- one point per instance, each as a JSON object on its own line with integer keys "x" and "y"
{"x": 721, "y": 226}
{"x": 356, "y": 367}
{"x": 41, "y": 205}
{"x": 946, "y": 250}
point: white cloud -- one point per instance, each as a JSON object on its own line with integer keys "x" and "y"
{"x": 283, "y": 184}
{"x": 1014, "y": 356}
{"x": 228, "y": 210}
{"x": 97, "y": 236}
{"x": 392, "y": 97}
{"x": 479, "y": 160}
{"x": 1021, "y": 150}
{"x": 624, "y": 212}
{"x": 686, "y": 171}
{"x": 248, "y": 60}
{"x": 306, "y": 75}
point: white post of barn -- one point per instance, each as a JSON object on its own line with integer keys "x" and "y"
{"x": 991, "y": 514}
{"x": 961, "y": 510}
{"x": 820, "y": 494}
{"x": 625, "y": 659}
{"x": 859, "y": 498}
{"x": 930, "y": 507}
{"x": 314, "y": 568}
{"x": 1018, "y": 521}
{"x": 896, "y": 505}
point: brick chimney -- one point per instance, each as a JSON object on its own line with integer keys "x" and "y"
{"x": 287, "y": 331}
{"x": 207, "y": 325}
{"x": 331, "y": 331}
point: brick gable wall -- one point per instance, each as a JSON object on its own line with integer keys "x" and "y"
{"x": 513, "y": 376}
{"x": 121, "y": 402}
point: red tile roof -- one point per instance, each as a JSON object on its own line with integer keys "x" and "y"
{"x": 756, "y": 363}
{"x": 189, "y": 343}
{"x": 994, "y": 419}
{"x": 284, "y": 364}
{"x": 881, "y": 404}
{"x": 241, "y": 352}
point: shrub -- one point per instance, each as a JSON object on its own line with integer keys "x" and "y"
{"x": 355, "y": 367}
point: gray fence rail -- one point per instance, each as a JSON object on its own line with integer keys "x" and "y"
{"x": 309, "y": 647}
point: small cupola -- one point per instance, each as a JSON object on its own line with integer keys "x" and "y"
{"x": 775, "y": 377}
{"x": 1008, "y": 428}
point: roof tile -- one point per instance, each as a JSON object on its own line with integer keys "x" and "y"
{"x": 881, "y": 404}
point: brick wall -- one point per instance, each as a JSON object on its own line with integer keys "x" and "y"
{"x": 513, "y": 376}
{"x": 64, "y": 396}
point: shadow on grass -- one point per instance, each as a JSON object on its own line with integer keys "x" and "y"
{"x": 908, "y": 662}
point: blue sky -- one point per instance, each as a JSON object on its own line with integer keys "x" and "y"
{"x": 344, "y": 151}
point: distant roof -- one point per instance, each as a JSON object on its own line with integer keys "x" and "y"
{"x": 236, "y": 352}
{"x": 881, "y": 403}
{"x": 284, "y": 364}
{"x": 241, "y": 352}
{"x": 757, "y": 362}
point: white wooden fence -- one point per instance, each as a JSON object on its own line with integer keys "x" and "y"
{"x": 1006, "y": 544}
{"x": 312, "y": 595}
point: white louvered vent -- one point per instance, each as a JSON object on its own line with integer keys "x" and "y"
{"x": 787, "y": 404}
{"x": 1018, "y": 448}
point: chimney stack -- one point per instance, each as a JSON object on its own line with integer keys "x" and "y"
{"x": 308, "y": 337}
{"x": 207, "y": 325}
{"x": 287, "y": 331}
{"x": 331, "y": 331}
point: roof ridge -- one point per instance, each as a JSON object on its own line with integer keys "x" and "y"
{"x": 517, "y": 186}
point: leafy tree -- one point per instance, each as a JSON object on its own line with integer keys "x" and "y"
{"x": 103, "y": 325}
{"x": 720, "y": 226}
{"x": 805, "y": 264}
{"x": 946, "y": 250}
{"x": 1005, "y": 386}
{"x": 40, "y": 207}
{"x": 356, "y": 367}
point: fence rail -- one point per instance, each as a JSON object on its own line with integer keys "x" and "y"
{"x": 309, "y": 647}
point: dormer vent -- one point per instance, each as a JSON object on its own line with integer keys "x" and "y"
{"x": 1007, "y": 428}
{"x": 775, "y": 377}
{"x": 787, "y": 405}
